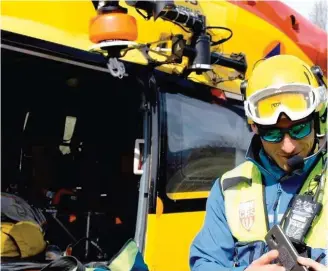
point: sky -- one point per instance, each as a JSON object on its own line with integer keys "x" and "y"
{"x": 301, "y": 6}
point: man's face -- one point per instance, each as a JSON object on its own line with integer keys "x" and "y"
{"x": 288, "y": 147}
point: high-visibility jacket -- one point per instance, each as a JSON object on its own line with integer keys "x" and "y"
{"x": 245, "y": 208}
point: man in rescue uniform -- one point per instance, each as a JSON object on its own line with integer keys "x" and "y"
{"x": 285, "y": 102}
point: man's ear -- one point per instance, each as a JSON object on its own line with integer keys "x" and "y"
{"x": 254, "y": 129}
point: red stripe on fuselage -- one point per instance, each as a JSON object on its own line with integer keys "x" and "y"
{"x": 310, "y": 38}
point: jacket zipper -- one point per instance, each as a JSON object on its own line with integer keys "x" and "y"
{"x": 275, "y": 206}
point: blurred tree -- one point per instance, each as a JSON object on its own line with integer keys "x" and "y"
{"x": 318, "y": 14}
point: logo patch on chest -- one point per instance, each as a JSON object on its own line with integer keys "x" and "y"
{"x": 247, "y": 214}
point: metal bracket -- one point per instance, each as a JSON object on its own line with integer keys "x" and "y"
{"x": 116, "y": 68}
{"x": 138, "y": 156}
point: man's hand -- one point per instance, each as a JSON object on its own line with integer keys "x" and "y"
{"x": 263, "y": 263}
{"x": 309, "y": 263}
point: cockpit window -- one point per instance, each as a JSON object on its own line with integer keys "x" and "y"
{"x": 203, "y": 141}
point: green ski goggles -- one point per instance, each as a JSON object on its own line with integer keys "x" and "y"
{"x": 276, "y": 135}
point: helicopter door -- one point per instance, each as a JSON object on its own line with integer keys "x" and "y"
{"x": 199, "y": 138}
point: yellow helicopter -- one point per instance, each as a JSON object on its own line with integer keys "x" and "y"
{"x": 155, "y": 86}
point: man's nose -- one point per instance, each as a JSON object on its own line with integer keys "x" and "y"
{"x": 288, "y": 144}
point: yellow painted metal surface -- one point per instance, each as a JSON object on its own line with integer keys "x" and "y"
{"x": 168, "y": 240}
{"x": 63, "y": 22}
{"x": 250, "y": 36}
{"x": 188, "y": 195}
{"x": 67, "y": 22}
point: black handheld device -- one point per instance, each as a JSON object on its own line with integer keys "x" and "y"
{"x": 276, "y": 239}
{"x": 299, "y": 219}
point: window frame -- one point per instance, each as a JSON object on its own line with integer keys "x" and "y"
{"x": 199, "y": 92}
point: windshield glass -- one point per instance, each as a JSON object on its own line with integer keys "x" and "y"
{"x": 204, "y": 140}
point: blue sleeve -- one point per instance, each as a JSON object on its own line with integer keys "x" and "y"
{"x": 213, "y": 248}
